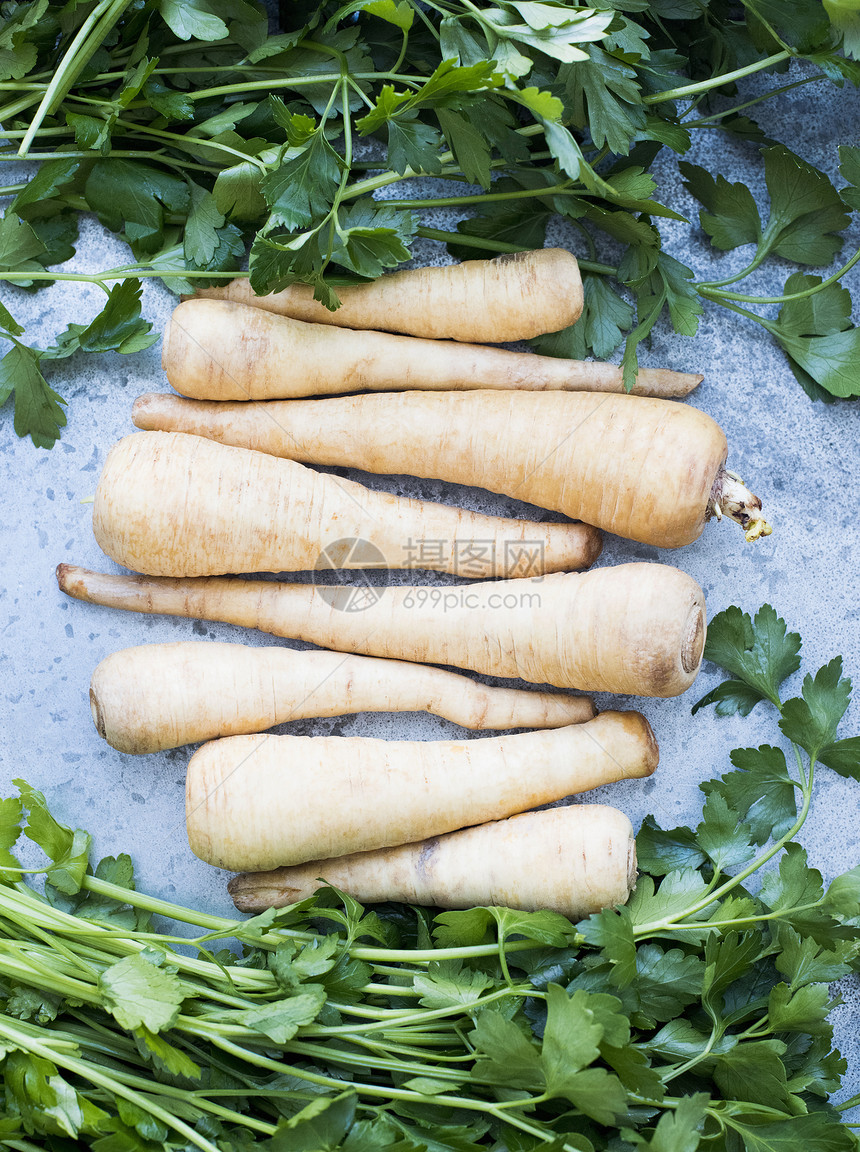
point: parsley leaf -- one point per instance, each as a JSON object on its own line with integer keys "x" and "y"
{"x": 192, "y": 19}
{"x": 599, "y": 330}
{"x": 678, "y": 1131}
{"x": 814, "y": 1130}
{"x": 760, "y": 654}
{"x": 603, "y": 96}
{"x": 38, "y": 411}
{"x": 811, "y": 721}
{"x": 131, "y": 197}
{"x": 304, "y": 185}
{"x": 447, "y": 983}
{"x": 806, "y": 212}
{"x": 280, "y": 1020}
{"x": 729, "y": 216}
{"x": 660, "y": 851}
{"x": 612, "y": 932}
{"x": 843, "y": 756}
{"x": 753, "y": 1071}
{"x": 119, "y": 327}
{"x": 138, "y": 994}
{"x": 761, "y": 792}
{"x": 722, "y": 836}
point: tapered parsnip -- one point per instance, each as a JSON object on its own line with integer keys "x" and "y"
{"x": 169, "y": 504}
{"x": 483, "y": 301}
{"x": 161, "y": 696}
{"x": 215, "y": 350}
{"x": 574, "y": 860}
{"x": 258, "y": 802}
{"x": 636, "y": 628}
{"x": 646, "y": 469}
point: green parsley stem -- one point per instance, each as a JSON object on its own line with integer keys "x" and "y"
{"x": 372, "y": 1090}
{"x": 178, "y": 140}
{"x": 133, "y": 154}
{"x": 20, "y": 105}
{"x": 740, "y": 311}
{"x": 394, "y": 1017}
{"x": 198, "y": 1099}
{"x": 88, "y": 39}
{"x": 80, "y": 1068}
{"x": 487, "y": 197}
{"x": 730, "y": 924}
{"x": 73, "y": 1038}
{"x": 278, "y": 934}
{"x": 707, "y": 121}
{"x": 760, "y": 861}
{"x": 759, "y": 258}
{"x": 717, "y": 81}
{"x": 718, "y": 295}
{"x": 298, "y": 82}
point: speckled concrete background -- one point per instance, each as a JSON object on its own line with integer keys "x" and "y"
{"x": 802, "y": 458}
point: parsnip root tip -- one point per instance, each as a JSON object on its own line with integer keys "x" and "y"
{"x": 632, "y": 866}
{"x": 730, "y": 497}
{"x": 693, "y": 643}
{"x": 142, "y": 406}
{"x": 65, "y": 575}
{"x": 98, "y": 718}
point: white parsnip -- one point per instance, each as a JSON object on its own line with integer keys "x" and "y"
{"x": 159, "y": 696}
{"x": 259, "y": 802}
{"x": 509, "y": 298}
{"x": 574, "y": 860}
{"x": 216, "y": 350}
{"x": 650, "y": 470}
{"x": 169, "y": 504}
{"x": 637, "y": 629}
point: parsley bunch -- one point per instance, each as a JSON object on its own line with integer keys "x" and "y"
{"x": 193, "y": 133}
{"x": 695, "y": 1016}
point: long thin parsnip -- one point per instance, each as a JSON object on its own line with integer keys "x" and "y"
{"x": 216, "y": 350}
{"x": 482, "y": 301}
{"x": 638, "y": 629}
{"x": 650, "y": 470}
{"x": 259, "y": 802}
{"x": 168, "y": 504}
{"x": 574, "y": 860}
{"x": 161, "y": 696}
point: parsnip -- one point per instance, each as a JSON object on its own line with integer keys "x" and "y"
{"x": 159, "y": 696}
{"x": 178, "y": 505}
{"x": 650, "y": 470}
{"x": 258, "y": 802}
{"x": 574, "y": 860}
{"x": 215, "y": 350}
{"x": 636, "y": 628}
{"x": 483, "y": 301}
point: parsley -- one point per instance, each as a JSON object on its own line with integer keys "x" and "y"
{"x": 695, "y": 1016}
{"x": 197, "y": 137}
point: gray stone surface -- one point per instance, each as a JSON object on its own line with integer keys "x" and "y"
{"x": 800, "y": 457}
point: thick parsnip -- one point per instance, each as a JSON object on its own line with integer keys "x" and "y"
{"x": 483, "y": 301}
{"x": 650, "y": 470}
{"x": 574, "y": 860}
{"x": 169, "y": 504}
{"x": 636, "y": 628}
{"x": 215, "y": 350}
{"x": 259, "y": 802}
{"x": 161, "y": 696}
